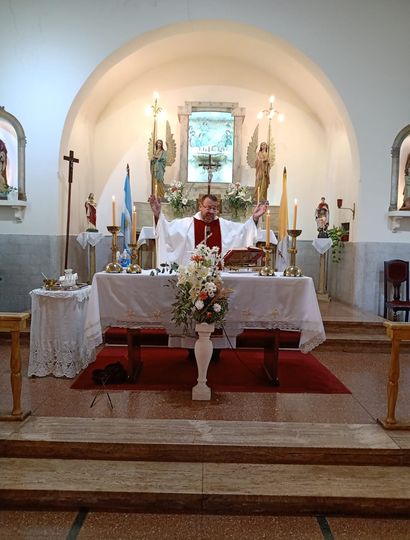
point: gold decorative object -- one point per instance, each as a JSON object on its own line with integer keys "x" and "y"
{"x": 293, "y": 270}
{"x": 267, "y": 270}
{"x": 51, "y": 284}
{"x": 113, "y": 267}
{"x": 133, "y": 268}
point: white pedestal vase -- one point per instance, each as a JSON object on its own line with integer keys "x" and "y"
{"x": 203, "y": 352}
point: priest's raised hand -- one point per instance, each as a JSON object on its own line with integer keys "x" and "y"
{"x": 155, "y": 205}
{"x": 259, "y": 211}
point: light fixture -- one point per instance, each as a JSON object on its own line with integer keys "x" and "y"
{"x": 341, "y": 207}
{"x": 271, "y": 112}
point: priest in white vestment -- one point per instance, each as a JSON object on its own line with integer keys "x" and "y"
{"x": 176, "y": 239}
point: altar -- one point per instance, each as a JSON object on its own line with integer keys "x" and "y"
{"x": 145, "y": 301}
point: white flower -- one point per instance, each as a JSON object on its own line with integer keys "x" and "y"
{"x": 217, "y": 308}
{"x": 184, "y": 201}
{"x": 199, "y": 305}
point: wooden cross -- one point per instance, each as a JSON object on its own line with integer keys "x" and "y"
{"x": 210, "y": 167}
{"x": 71, "y": 159}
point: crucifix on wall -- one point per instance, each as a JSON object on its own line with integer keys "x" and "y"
{"x": 211, "y": 167}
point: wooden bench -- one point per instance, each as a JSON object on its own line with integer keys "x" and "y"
{"x": 13, "y": 323}
{"x": 268, "y": 340}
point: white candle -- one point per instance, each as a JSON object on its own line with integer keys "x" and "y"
{"x": 134, "y": 226}
{"x": 156, "y": 190}
{"x": 113, "y": 210}
{"x": 257, "y": 200}
{"x": 295, "y": 213}
{"x": 268, "y": 228}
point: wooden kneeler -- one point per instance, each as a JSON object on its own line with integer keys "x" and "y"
{"x": 269, "y": 341}
{"x": 140, "y": 337}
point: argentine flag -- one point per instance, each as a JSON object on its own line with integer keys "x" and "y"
{"x": 127, "y": 210}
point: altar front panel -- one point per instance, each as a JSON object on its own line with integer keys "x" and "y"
{"x": 142, "y": 300}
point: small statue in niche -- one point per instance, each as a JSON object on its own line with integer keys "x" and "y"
{"x": 3, "y": 166}
{"x": 91, "y": 213}
{"x": 322, "y": 218}
{"x": 406, "y": 189}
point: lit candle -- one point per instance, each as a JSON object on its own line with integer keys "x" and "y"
{"x": 268, "y": 228}
{"x": 113, "y": 210}
{"x": 134, "y": 226}
{"x": 295, "y": 213}
{"x": 257, "y": 200}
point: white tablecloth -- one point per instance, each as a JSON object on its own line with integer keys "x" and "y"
{"x": 57, "y": 332}
{"x": 141, "y": 300}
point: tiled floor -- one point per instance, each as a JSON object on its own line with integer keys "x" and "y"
{"x": 365, "y": 374}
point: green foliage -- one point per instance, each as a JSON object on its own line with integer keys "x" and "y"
{"x": 336, "y": 234}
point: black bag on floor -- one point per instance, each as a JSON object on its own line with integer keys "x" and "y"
{"x": 111, "y": 374}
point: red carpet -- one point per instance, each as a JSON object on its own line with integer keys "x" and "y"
{"x": 239, "y": 370}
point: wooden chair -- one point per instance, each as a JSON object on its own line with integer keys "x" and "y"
{"x": 396, "y": 277}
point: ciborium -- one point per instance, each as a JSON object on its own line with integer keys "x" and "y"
{"x": 113, "y": 267}
{"x": 293, "y": 270}
{"x": 267, "y": 270}
{"x": 134, "y": 267}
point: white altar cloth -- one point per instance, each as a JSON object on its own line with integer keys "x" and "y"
{"x": 57, "y": 332}
{"x": 141, "y": 300}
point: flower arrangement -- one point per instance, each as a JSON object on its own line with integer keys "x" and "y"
{"x": 176, "y": 197}
{"x": 238, "y": 198}
{"x": 200, "y": 295}
{"x": 336, "y": 234}
{"x": 8, "y": 189}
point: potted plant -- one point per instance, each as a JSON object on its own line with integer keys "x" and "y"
{"x": 8, "y": 192}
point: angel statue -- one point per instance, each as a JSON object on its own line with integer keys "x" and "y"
{"x": 262, "y": 160}
{"x": 160, "y": 158}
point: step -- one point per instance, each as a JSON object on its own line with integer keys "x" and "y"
{"x": 180, "y": 440}
{"x": 228, "y": 488}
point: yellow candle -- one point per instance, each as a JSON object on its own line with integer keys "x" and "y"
{"x": 257, "y": 200}
{"x": 156, "y": 190}
{"x": 268, "y": 228}
{"x": 295, "y": 213}
{"x": 134, "y": 226}
{"x": 113, "y": 210}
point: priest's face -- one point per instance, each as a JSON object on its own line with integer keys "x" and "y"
{"x": 208, "y": 209}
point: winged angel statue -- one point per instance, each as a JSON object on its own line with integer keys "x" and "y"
{"x": 262, "y": 160}
{"x": 160, "y": 158}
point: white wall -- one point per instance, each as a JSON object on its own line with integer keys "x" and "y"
{"x": 50, "y": 48}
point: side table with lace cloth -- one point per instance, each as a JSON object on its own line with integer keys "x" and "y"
{"x": 57, "y": 332}
{"x": 322, "y": 246}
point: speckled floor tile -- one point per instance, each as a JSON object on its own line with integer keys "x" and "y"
{"x": 199, "y": 527}
{"x": 369, "y": 529}
{"x": 19, "y": 525}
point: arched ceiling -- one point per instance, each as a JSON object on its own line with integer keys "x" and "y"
{"x": 247, "y": 48}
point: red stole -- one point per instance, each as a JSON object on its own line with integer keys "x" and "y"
{"x": 213, "y": 233}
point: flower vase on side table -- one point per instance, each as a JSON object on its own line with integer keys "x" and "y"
{"x": 203, "y": 353}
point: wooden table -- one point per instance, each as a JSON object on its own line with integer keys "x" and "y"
{"x": 14, "y": 323}
{"x": 397, "y": 332}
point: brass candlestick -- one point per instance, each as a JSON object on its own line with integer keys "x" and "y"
{"x": 293, "y": 270}
{"x": 267, "y": 270}
{"x": 134, "y": 268}
{"x": 113, "y": 267}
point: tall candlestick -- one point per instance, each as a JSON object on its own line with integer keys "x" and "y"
{"x": 113, "y": 210}
{"x": 134, "y": 226}
{"x": 268, "y": 228}
{"x": 295, "y": 213}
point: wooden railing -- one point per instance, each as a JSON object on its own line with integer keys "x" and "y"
{"x": 13, "y": 323}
